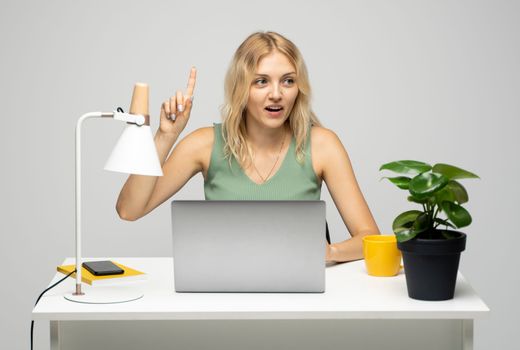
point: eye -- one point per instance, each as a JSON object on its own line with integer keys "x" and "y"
{"x": 289, "y": 81}
{"x": 260, "y": 81}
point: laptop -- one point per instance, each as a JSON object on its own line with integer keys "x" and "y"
{"x": 249, "y": 246}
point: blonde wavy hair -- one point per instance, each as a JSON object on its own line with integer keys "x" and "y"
{"x": 238, "y": 80}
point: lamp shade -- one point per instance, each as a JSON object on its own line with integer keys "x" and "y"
{"x": 135, "y": 153}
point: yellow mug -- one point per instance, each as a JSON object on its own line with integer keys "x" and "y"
{"x": 382, "y": 258}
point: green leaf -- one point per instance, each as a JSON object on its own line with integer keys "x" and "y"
{"x": 406, "y": 232}
{"x": 449, "y": 234}
{"x": 445, "y": 195}
{"x": 443, "y": 222}
{"x": 422, "y": 200}
{"x": 405, "y": 235}
{"x": 399, "y": 181}
{"x": 406, "y": 166}
{"x": 452, "y": 192}
{"x": 452, "y": 172}
{"x": 421, "y": 223}
{"x": 457, "y": 214}
{"x": 418, "y": 200}
{"x": 405, "y": 220}
{"x": 461, "y": 195}
{"x": 426, "y": 184}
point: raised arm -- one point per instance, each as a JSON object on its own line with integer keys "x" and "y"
{"x": 337, "y": 172}
{"x": 140, "y": 194}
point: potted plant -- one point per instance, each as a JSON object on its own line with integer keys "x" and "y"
{"x": 430, "y": 250}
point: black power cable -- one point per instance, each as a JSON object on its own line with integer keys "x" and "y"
{"x": 37, "y": 300}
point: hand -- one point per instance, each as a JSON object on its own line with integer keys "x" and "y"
{"x": 175, "y": 112}
{"x": 328, "y": 253}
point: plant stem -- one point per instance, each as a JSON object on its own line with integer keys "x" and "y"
{"x": 436, "y": 211}
{"x": 428, "y": 216}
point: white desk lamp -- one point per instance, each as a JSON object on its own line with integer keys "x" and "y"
{"x": 134, "y": 153}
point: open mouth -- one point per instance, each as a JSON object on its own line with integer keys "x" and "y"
{"x": 274, "y": 108}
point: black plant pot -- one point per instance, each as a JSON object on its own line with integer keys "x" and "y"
{"x": 431, "y": 265}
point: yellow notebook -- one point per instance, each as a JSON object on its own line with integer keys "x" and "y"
{"x": 130, "y": 275}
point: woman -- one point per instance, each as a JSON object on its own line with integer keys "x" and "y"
{"x": 269, "y": 146}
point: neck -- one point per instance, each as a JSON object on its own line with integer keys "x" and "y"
{"x": 264, "y": 139}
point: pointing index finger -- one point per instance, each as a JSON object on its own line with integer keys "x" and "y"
{"x": 191, "y": 82}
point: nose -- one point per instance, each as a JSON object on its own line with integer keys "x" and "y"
{"x": 275, "y": 93}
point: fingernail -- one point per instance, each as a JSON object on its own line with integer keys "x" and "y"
{"x": 172, "y": 116}
{"x": 191, "y": 98}
{"x": 180, "y": 108}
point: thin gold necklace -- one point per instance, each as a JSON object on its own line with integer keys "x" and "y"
{"x": 276, "y": 162}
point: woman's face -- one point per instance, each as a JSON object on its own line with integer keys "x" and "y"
{"x": 273, "y": 91}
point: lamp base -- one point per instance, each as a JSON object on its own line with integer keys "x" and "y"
{"x": 106, "y": 295}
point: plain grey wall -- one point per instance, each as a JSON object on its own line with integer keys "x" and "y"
{"x": 437, "y": 81}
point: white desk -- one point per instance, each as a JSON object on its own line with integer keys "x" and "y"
{"x": 356, "y": 311}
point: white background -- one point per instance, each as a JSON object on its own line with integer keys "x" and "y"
{"x": 436, "y": 81}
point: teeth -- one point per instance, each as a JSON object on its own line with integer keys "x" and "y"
{"x": 273, "y": 108}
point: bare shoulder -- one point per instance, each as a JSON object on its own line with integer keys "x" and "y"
{"x": 196, "y": 142}
{"x": 324, "y": 139}
{"x": 199, "y": 143}
{"x": 200, "y": 138}
{"x": 195, "y": 145}
{"x": 326, "y": 150}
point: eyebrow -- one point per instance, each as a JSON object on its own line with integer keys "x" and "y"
{"x": 266, "y": 75}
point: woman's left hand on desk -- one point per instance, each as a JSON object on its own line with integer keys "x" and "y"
{"x": 328, "y": 253}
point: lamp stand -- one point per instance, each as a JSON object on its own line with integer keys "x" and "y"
{"x": 134, "y": 159}
{"x": 106, "y": 295}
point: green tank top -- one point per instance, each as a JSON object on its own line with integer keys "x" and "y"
{"x": 292, "y": 181}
